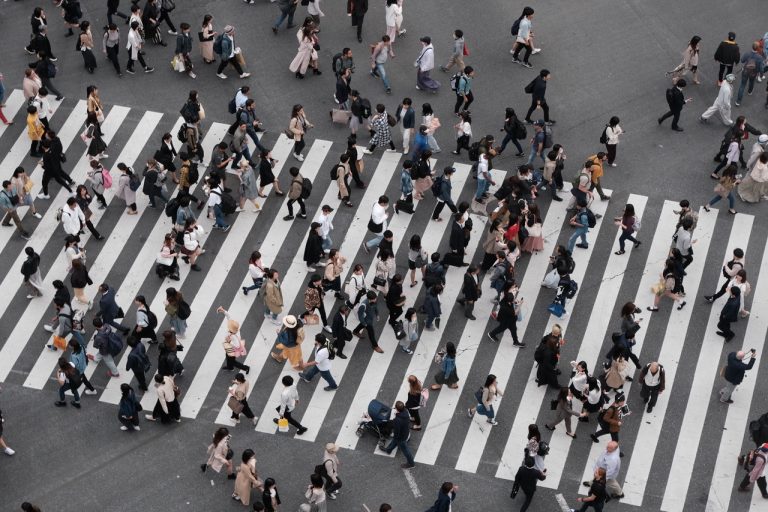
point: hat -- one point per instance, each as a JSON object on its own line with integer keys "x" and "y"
{"x": 426, "y": 39}
{"x": 229, "y": 29}
{"x": 762, "y": 139}
{"x": 233, "y": 326}
{"x": 331, "y": 448}
{"x": 289, "y": 321}
{"x": 731, "y": 36}
{"x": 539, "y": 122}
{"x": 730, "y": 78}
{"x": 327, "y": 208}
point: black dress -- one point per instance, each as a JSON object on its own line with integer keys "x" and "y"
{"x": 97, "y": 145}
{"x": 266, "y": 176}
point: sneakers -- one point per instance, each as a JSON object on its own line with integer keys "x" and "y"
{"x": 221, "y": 75}
{"x": 91, "y": 392}
{"x": 43, "y": 196}
{"x": 37, "y": 215}
{"x": 48, "y": 327}
{"x": 299, "y": 157}
{"x": 526, "y": 64}
{"x": 149, "y": 70}
{"x": 245, "y": 75}
{"x": 192, "y": 75}
{"x": 493, "y": 422}
{"x": 9, "y": 452}
{"x": 173, "y": 32}
{"x": 404, "y": 349}
{"x": 493, "y": 338}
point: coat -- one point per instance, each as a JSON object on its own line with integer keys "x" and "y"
{"x": 401, "y": 425}
{"x": 527, "y": 477}
{"x": 108, "y": 308}
{"x": 676, "y": 100}
{"x": 124, "y": 191}
{"x": 470, "y": 288}
{"x": 727, "y": 53}
{"x": 183, "y": 44}
{"x": 217, "y": 455}
{"x": 305, "y": 54}
{"x": 134, "y": 44}
{"x": 735, "y": 368}
{"x": 611, "y": 418}
{"x": 313, "y": 250}
{"x": 247, "y": 479}
{"x": 443, "y": 502}
{"x": 273, "y": 297}
{"x": 730, "y": 311}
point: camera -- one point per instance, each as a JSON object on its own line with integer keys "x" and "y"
{"x": 624, "y": 411}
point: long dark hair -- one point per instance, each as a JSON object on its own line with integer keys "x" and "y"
{"x": 450, "y": 350}
{"x": 220, "y": 434}
{"x": 490, "y": 379}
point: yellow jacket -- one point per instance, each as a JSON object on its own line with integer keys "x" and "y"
{"x": 35, "y": 128}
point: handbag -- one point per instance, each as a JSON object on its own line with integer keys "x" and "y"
{"x": 235, "y": 404}
{"x": 520, "y": 313}
{"x": 375, "y": 228}
{"x": 59, "y": 342}
{"x": 282, "y": 425}
{"x": 312, "y": 319}
{"x": 556, "y": 309}
{"x": 658, "y": 288}
{"x": 379, "y": 281}
{"x": 551, "y": 280}
{"x": 339, "y": 116}
{"x": 240, "y": 59}
{"x": 28, "y": 186}
{"x": 200, "y": 37}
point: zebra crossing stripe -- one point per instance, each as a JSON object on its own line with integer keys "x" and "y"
{"x": 36, "y": 309}
{"x": 700, "y": 396}
{"x": 46, "y": 362}
{"x": 350, "y": 246}
{"x": 533, "y": 395}
{"x": 20, "y": 150}
{"x": 321, "y": 400}
{"x": 12, "y": 106}
{"x": 506, "y": 355}
{"x": 640, "y": 462}
{"x": 144, "y": 262}
{"x": 722, "y": 483}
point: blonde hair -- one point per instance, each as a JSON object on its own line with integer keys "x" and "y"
{"x": 557, "y": 330}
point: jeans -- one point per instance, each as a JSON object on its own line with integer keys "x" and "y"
{"x": 482, "y": 188}
{"x": 718, "y": 197}
{"x": 298, "y": 146}
{"x": 375, "y": 241}
{"x": 626, "y": 235}
{"x": 598, "y": 506}
{"x": 481, "y": 409}
{"x": 313, "y": 370}
{"x": 66, "y": 387}
{"x": 288, "y": 13}
{"x": 255, "y": 138}
{"x": 158, "y": 193}
{"x": 327, "y": 243}
{"x": 580, "y": 232}
{"x": 245, "y": 153}
{"x": 383, "y": 74}
{"x": 744, "y": 80}
{"x": 534, "y": 154}
{"x": 510, "y": 138}
{"x": 221, "y": 222}
{"x": 403, "y": 445}
{"x": 256, "y": 284}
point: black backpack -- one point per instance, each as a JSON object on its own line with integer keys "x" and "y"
{"x": 75, "y": 379}
{"x": 189, "y": 113}
{"x": 670, "y": 96}
{"x": 547, "y": 137}
{"x": 437, "y": 185}
{"x": 134, "y": 182}
{"x": 228, "y": 203}
{"x": 571, "y": 288}
{"x": 474, "y": 152}
{"x": 529, "y": 88}
{"x": 183, "y": 311}
{"x": 114, "y": 343}
{"x": 518, "y": 130}
{"x": 365, "y": 106}
{"x": 516, "y": 26}
{"x": 172, "y": 208}
{"x": 591, "y": 219}
{"x": 538, "y": 355}
{"x": 182, "y": 133}
{"x": 306, "y": 188}
{"x": 335, "y": 172}
{"x": 151, "y": 320}
{"x": 321, "y": 470}
{"x": 194, "y": 174}
{"x": 604, "y": 135}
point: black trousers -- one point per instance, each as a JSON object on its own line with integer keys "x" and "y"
{"x": 49, "y": 85}
{"x": 62, "y": 178}
{"x": 141, "y": 378}
{"x": 246, "y": 410}
{"x": 674, "y": 115}
{"x": 357, "y": 20}
{"x": 649, "y": 394}
{"x": 234, "y": 63}
{"x": 721, "y": 291}
{"x": 356, "y": 175}
{"x": 520, "y": 46}
{"x": 233, "y": 363}
{"x": 725, "y": 69}
{"x": 724, "y": 326}
{"x": 112, "y": 52}
{"x": 503, "y": 326}
{"x": 527, "y": 502}
{"x": 139, "y": 57}
{"x": 462, "y": 143}
{"x": 164, "y": 16}
{"x": 533, "y": 106}
{"x": 461, "y": 104}
{"x": 439, "y": 208}
{"x": 287, "y": 415}
{"x": 302, "y": 207}
{"x": 86, "y": 382}
{"x": 761, "y": 484}
{"x": 370, "y": 331}
{"x": 115, "y": 12}
{"x": 605, "y": 429}
{"x": 611, "y": 152}
{"x": 298, "y": 146}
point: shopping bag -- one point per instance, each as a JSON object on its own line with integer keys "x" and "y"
{"x": 240, "y": 59}
{"x": 282, "y": 425}
{"x": 235, "y": 404}
{"x": 59, "y": 342}
{"x": 551, "y": 280}
{"x": 556, "y": 309}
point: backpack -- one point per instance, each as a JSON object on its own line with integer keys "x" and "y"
{"x": 474, "y": 152}
{"x": 330, "y": 344}
{"x": 543, "y": 449}
{"x": 321, "y": 470}
{"x": 336, "y": 60}
{"x": 335, "y": 172}
{"x": 306, "y": 188}
{"x": 455, "y": 81}
{"x": 529, "y": 88}
{"x": 538, "y": 355}
{"x": 52, "y": 70}
{"x": 172, "y": 208}
{"x": 189, "y": 114}
{"x": 604, "y": 135}
{"x": 151, "y": 320}
{"x": 194, "y": 174}
{"x": 182, "y": 133}
{"x": 183, "y": 311}
{"x": 547, "y": 137}
{"x": 424, "y": 398}
{"x": 59, "y": 213}
{"x": 217, "y": 44}
{"x": 305, "y": 2}
{"x": 106, "y": 178}
{"x": 437, "y": 185}
{"x": 75, "y": 378}
{"x": 228, "y": 203}
{"x": 365, "y": 105}
{"x": 134, "y": 182}
{"x": 572, "y": 288}
{"x": 591, "y": 219}
{"x": 232, "y": 106}
{"x": 114, "y": 343}
{"x": 758, "y": 429}
{"x": 518, "y": 130}
{"x": 516, "y": 26}
{"x": 750, "y": 68}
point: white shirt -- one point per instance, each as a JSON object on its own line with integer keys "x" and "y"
{"x": 313, "y": 8}
{"x": 524, "y": 30}
{"x": 379, "y": 215}
{"x": 426, "y": 60}
{"x": 613, "y": 134}
{"x": 214, "y": 197}
{"x": 255, "y": 270}
{"x": 288, "y": 399}
{"x": 652, "y": 380}
{"x": 482, "y": 168}
{"x": 465, "y": 129}
{"x": 325, "y": 223}
{"x": 321, "y": 358}
{"x": 240, "y": 99}
{"x": 71, "y": 219}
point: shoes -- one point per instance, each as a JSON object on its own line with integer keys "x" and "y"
{"x": 59, "y": 403}
{"x": 221, "y": 75}
{"x": 149, "y": 70}
{"x": 195, "y": 268}
{"x": 493, "y": 422}
{"x": 330, "y": 388}
{"x": 298, "y": 156}
{"x": 301, "y": 431}
{"x": 9, "y": 452}
{"x": 404, "y": 349}
{"x": 649, "y": 409}
{"x": 526, "y": 64}
{"x": 637, "y": 244}
{"x": 288, "y": 217}
{"x": 557, "y": 198}
{"x": 518, "y": 344}
{"x": 514, "y": 60}
{"x": 729, "y": 401}
{"x": 245, "y": 75}
{"x": 582, "y": 246}
{"x": 594, "y": 438}
{"x": 342, "y": 356}
{"x": 192, "y": 75}
{"x": 407, "y": 466}
{"x": 493, "y": 338}
{"x": 677, "y": 128}
{"x": 43, "y": 196}
{"x": 91, "y": 392}
{"x": 737, "y": 103}
{"x": 378, "y": 349}
{"x": 75, "y": 404}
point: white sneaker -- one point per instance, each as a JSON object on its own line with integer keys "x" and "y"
{"x": 535, "y": 51}
{"x": 173, "y": 32}
{"x": 327, "y": 328}
{"x": 298, "y": 156}
{"x": 238, "y": 209}
{"x": 9, "y": 452}
{"x": 138, "y": 428}
{"x": 245, "y": 75}
{"x": 221, "y": 75}
{"x": 192, "y": 75}
{"x": 255, "y": 420}
{"x": 30, "y": 297}
{"x": 48, "y": 328}
{"x": 310, "y": 269}
{"x": 389, "y": 150}
{"x": 91, "y": 392}
{"x": 123, "y": 428}
{"x": 37, "y": 215}
{"x": 367, "y": 151}
{"x": 43, "y": 196}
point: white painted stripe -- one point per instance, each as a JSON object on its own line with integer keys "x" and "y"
{"x": 46, "y": 362}
{"x": 378, "y": 365}
{"x": 209, "y": 369}
{"x": 477, "y": 435}
{"x": 36, "y": 309}
{"x": 292, "y": 287}
{"x": 13, "y": 104}
{"x": 701, "y": 389}
{"x": 737, "y": 418}
{"x": 20, "y": 149}
{"x": 71, "y": 128}
{"x": 412, "y": 483}
{"x": 533, "y": 394}
{"x": 648, "y": 435}
{"x": 318, "y": 405}
{"x": 144, "y": 262}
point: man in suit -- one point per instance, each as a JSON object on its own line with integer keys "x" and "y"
{"x": 676, "y": 102}
{"x": 526, "y": 479}
{"x": 108, "y": 308}
{"x": 470, "y": 291}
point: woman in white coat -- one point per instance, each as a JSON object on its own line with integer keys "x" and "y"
{"x": 755, "y": 186}
{"x": 394, "y": 18}
{"x": 306, "y": 55}
{"x": 124, "y": 191}
{"x": 135, "y": 42}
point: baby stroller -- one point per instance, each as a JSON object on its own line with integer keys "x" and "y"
{"x": 377, "y": 421}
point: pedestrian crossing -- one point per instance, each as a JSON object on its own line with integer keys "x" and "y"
{"x": 125, "y": 260}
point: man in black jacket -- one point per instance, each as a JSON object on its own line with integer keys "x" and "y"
{"x": 444, "y": 196}
{"x": 734, "y": 373}
{"x": 108, "y": 308}
{"x": 727, "y": 55}
{"x": 676, "y": 102}
{"x": 52, "y": 170}
{"x": 526, "y": 478}
{"x": 729, "y": 314}
{"x": 340, "y": 331}
{"x": 470, "y": 291}
{"x": 538, "y": 89}
{"x": 401, "y": 430}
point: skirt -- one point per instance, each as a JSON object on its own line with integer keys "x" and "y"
{"x": 36, "y": 280}
{"x": 533, "y": 244}
{"x": 206, "y": 50}
{"x": 266, "y": 176}
{"x": 89, "y": 59}
{"x": 421, "y": 185}
{"x": 750, "y": 191}
{"x": 453, "y": 378}
{"x": 294, "y": 355}
{"x": 97, "y": 146}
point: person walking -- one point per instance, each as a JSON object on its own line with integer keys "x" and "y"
{"x": 652, "y": 380}
{"x": 400, "y": 427}
{"x": 447, "y": 373}
{"x": 725, "y": 188}
{"x": 525, "y": 480}
{"x": 610, "y": 462}
{"x": 69, "y": 379}
{"x": 167, "y": 406}
{"x": 8, "y": 204}
{"x": 220, "y": 454}
{"x": 380, "y": 54}
{"x": 109, "y": 311}
{"x": 611, "y": 134}
{"x": 234, "y": 344}
{"x": 628, "y": 222}
{"x": 35, "y": 131}
{"x": 463, "y": 132}
{"x": 273, "y": 295}
{"x": 581, "y": 222}
{"x": 538, "y": 90}
{"x": 676, "y": 101}
{"x": 108, "y": 344}
{"x": 377, "y": 223}
{"x": 753, "y": 64}
{"x": 445, "y": 497}
{"x": 407, "y": 116}
{"x": 183, "y": 43}
{"x": 30, "y": 269}
{"x": 727, "y": 55}
{"x": 134, "y": 47}
{"x": 690, "y": 62}
{"x": 138, "y": 362}
{"x": 85, "y": 45}
{"x": 757, "y": 473}
{"x": 523, "y": 38}
{"x": 306, "y": 55}
{"x": 146, "y": 321}
{"x": 83, "y": 200}
{"x": 485, "y": 397}
{"x": 597, "y": 493}
{"x": 729, "y": 314}
{"x": 367, "y": 314}
{"x": 457, "y": 53}
{"x": 110, "y": 46}
{"x": 464, "y": 96}
{"x": 238, "y": 400}
{"x": 79, "y": 279}
{"x": 247, "y": 480}
{"x": 432, "y": 305}
{"x": 288, "y": 400}
{"x": 329, "y": 470}
{"x": 382, "y": 135}
{"x": 287, "y": 11}
{"x": 128, "y": 409}
{"x": 79, "y": 359}
{"x": 506, "y": 316}
{"x": 563, "y": 412}
{"x": 357, "y": 9}
{"x": 668, "y": 286}
{"x": 321, "y": 364}
{"x": 298, "y": 127}
{"x": 722, "y": 104}
{"x": 442, "y": 184}
{"x": 228, "y": 53}
{"x": 424, "y": 63}
{"x": 314, "y": 299}
{"x": 610, "y": 420}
